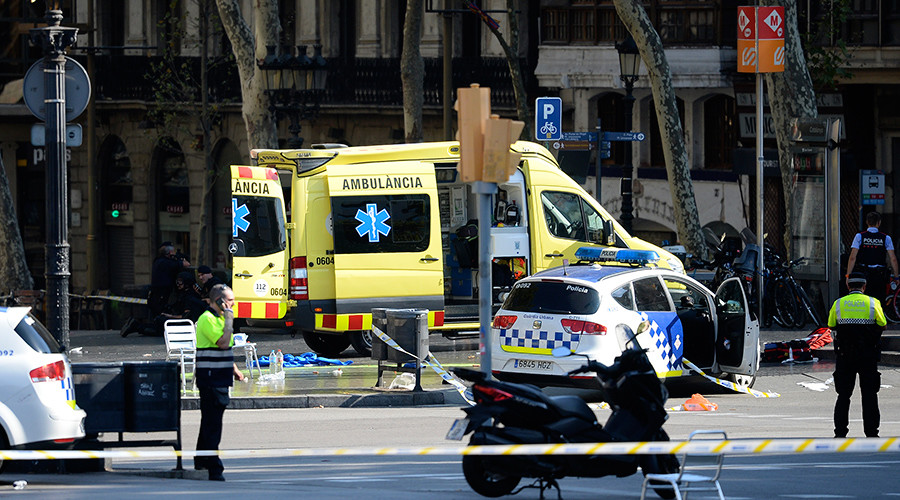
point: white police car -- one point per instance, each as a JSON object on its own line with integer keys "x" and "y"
{"x": 37, "y": 398}
{"x": 579, "y": 306}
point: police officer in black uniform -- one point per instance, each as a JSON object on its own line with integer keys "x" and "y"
{"x": 857, "y": 321}
{"x": 869, "y": 251}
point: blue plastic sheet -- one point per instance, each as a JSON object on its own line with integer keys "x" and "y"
{"x": 305, "y": 359}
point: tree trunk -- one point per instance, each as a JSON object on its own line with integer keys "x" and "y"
{"x": 412, "y": 72}
{"x": 511, "y": 50}
{"x": 687, "y": 218}
{"x": 261, "y": 128}
{"x": 14, "y": 274}
{"x": 791, "y": 95}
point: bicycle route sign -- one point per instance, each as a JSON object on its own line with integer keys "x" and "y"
{"x": 548, "y": 118}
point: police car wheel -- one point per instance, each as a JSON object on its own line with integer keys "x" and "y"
{"x": 4, "y": 445}
{"x": 744, "y": 381}
{"x": 362, "y": 342}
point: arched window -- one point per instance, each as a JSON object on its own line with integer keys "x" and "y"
{"x": 172, "y": 195}
{"x": 117, "y": 206}
{"x": 719, "y": 132}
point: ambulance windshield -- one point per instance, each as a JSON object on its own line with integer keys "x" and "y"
{"x": 258, "y": 226}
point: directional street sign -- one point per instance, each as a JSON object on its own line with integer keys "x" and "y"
{"x": 623, "y": 136}
{"x": 548, "y": 118}
{"x": 579, "y": 136}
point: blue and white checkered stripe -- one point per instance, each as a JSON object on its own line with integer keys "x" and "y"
{"x": 538, "y": 339}
{"x": 667, "y": 336}
{"x": 67, "y": 387}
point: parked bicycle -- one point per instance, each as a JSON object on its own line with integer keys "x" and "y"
{"x": 787, "y": 302}
{"x": 892, "y": 301}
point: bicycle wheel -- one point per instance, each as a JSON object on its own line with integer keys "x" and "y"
{"x": 807, "y": 310}
{"x": 892, "y": 307}
{"x": 786, "y": 311}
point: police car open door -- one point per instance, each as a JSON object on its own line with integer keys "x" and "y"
{"x": 737, "y": 336}
{"x": 387, "y": 240}
{"x": 259, "y": 243}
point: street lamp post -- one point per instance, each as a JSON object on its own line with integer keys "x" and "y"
{"x": 629, "y": 66}
{"x": 54, "y": 39}
{"x": 295, "y": 86}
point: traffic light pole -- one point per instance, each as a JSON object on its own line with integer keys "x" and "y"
{"x": 484, "y": 191}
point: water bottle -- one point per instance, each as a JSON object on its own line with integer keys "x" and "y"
{"x": 273, "y": 362}
{"x": 280, "y": 361}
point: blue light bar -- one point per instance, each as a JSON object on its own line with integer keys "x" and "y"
{"x": 620, "y": 255}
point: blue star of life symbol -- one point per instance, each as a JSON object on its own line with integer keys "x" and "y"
{"x": 372, "y": 222}
{"x": 238, "y": 218}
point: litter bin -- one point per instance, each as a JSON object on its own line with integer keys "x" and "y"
{"x": 152, "y": 397}
{"x": 100, "y": 392}
{"x": 409, "y": 329}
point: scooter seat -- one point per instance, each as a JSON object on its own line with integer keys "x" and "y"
{"x": 573, "y": 406}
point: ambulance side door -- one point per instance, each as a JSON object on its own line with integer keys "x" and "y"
{"x": 259, "y": 243}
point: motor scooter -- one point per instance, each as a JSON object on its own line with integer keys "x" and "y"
{"x": 508, "y": 414}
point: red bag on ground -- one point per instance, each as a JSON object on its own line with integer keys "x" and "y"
{"x": 819, "y": 337}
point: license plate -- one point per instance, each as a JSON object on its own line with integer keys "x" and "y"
{"x": 530, "y": 364}
{"x": 458, "y": 429}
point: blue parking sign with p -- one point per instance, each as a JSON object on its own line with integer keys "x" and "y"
{"x": 548, "y": 119}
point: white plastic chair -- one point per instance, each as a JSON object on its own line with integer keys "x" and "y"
{"x": 699, "y": 471}
{"x": 181, "y": 344}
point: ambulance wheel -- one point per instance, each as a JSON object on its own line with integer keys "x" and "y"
{"x": 362, "y": 342}
{"x": 325, "y": 344}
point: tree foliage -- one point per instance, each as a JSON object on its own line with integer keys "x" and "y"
{"x": 827, "y": 53}
{"x": 181, "y": 94}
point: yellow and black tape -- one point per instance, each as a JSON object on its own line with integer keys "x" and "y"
{"x": 728, "y": 447}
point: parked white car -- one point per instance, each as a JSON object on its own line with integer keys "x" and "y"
{"x": 579, "y": 306}
{"x": 37, "y": 397}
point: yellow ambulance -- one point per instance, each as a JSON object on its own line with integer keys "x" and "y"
{"x": 392, "y": 226}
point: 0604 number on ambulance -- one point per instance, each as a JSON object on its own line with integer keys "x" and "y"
{"x": 392, "y": 226}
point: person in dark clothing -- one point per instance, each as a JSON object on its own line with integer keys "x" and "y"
{"x": 162, "y": 277}
{"x": 869, "y": 252}
{"x": 187, "y": 305}
{"x": 857, "y": 322}
{"x": 207, "y": 281}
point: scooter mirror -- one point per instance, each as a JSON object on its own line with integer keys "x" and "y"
{"x": 561, "y": 352}
{"x": 643, "y": 326}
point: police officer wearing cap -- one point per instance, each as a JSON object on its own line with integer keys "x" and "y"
{"x": 857, "y": 322}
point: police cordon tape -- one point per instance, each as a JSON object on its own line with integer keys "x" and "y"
{"x": 434, "y": 364}
{"x": 727, "y": 446}
{"x": 730, "y": 385}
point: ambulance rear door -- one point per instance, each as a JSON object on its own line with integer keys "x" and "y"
{"x": 387, "y": 239}
{"x": 259, "y": 243}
